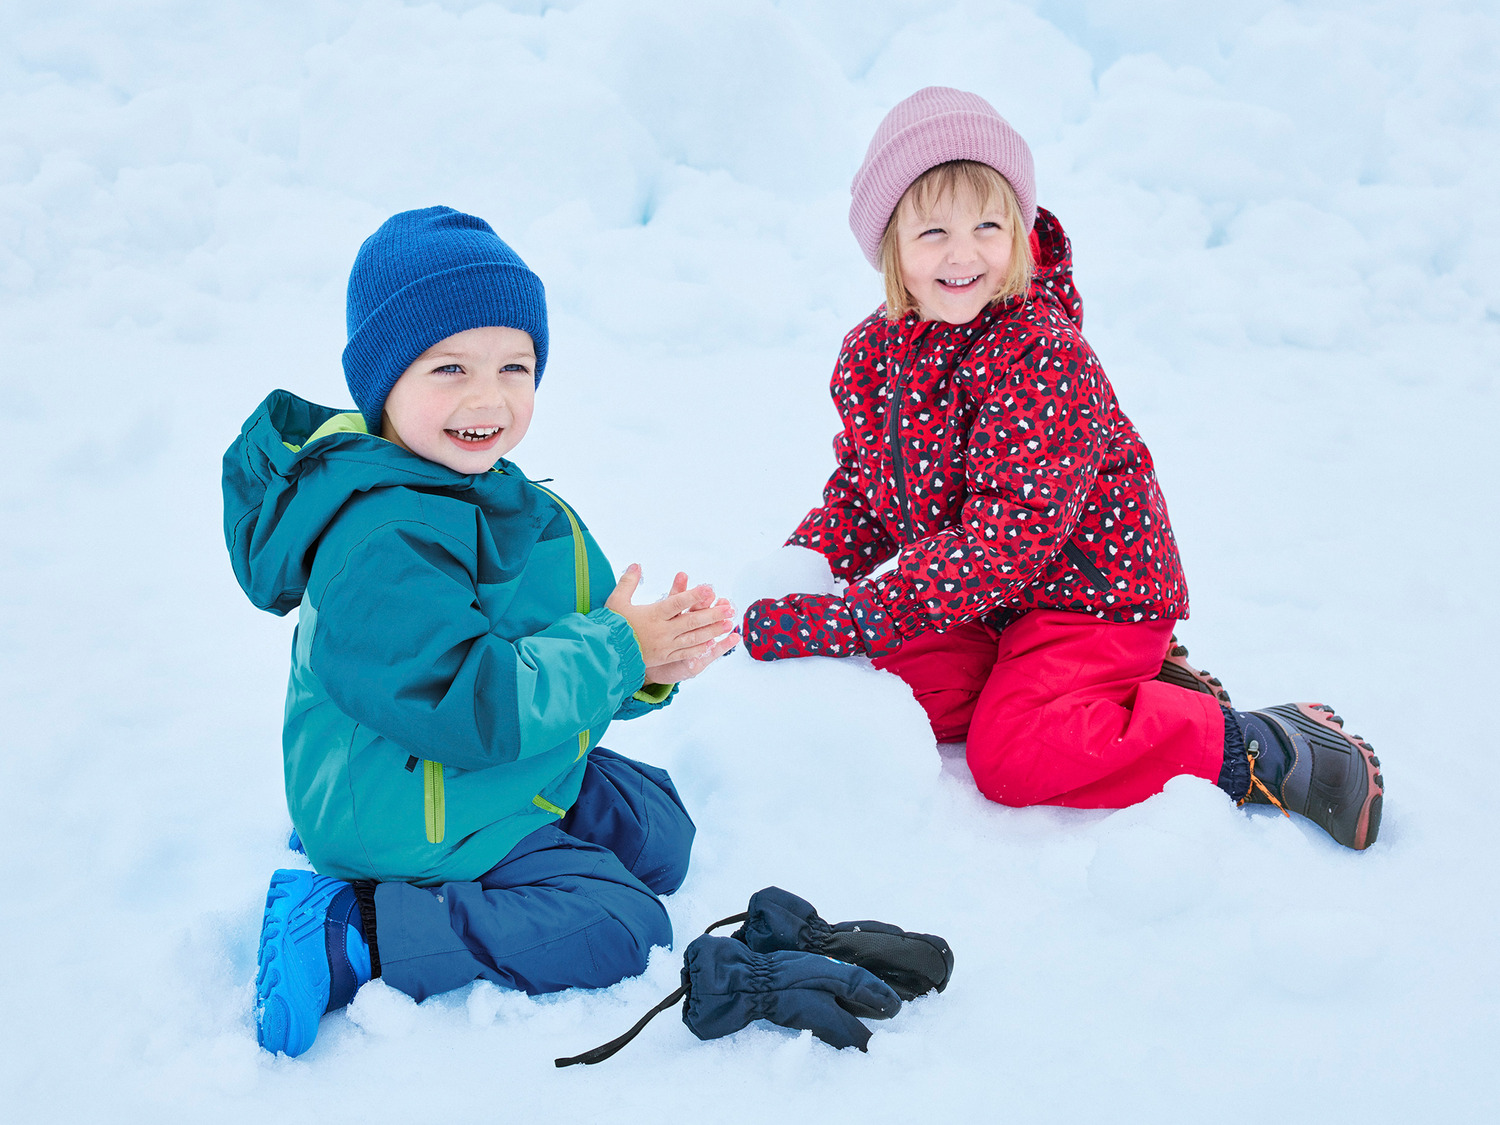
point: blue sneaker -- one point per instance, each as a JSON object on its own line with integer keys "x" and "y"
{"x": 313, "y": 958}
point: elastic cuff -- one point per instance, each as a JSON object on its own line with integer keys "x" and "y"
{"x": 654, "y": 693}
{"x": 1234, "y": 776}
{"x": 364, "y": 894}
{"x": 622, "y": 640}
{"x": 892, "y": 591}
{"x": 876, "y": 627}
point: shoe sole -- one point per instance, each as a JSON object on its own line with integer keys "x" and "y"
{"x": 1318, "y": 723}
{"x": 287, "y": 1010}
{"x": 1176, "y": 670}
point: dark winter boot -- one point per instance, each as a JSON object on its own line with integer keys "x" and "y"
{"x": 313, "y": 956}
{"x": 1176, "y": 670}
{"x": 1302, "y": 761}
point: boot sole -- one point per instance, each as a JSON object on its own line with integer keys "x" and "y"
{"x": 1318, "y": 723}
{"x": 1176, "y": 670}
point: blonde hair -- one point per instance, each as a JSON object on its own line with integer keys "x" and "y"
{"x": 945, "y": 181}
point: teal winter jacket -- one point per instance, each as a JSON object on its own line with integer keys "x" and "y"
{"x": 452, "y": 663}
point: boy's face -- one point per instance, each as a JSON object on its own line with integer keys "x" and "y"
{"x": 466, "y": 401}
{"x": 954, "y": 256}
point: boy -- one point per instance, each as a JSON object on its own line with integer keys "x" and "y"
{"x": 454, "y": 663}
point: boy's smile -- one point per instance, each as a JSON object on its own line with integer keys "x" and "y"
{"x": 954, "y": 257}
{"x": 466, "y": 401}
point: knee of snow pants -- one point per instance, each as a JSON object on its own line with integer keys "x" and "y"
{"x": 556, "y": 913}
{"x": 946, "y": 672}
{"x": 1073, "y": 714}
{"x": 633, "y": 809}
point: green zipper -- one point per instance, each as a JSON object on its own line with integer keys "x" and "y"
{"x": 433, "y": 802}
{"x": 547, "y": 806}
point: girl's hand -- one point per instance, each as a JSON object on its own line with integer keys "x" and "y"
{"x": 820, "y": 625}
{"x": 682, "y": 632}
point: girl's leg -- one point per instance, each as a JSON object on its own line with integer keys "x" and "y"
{"x": 946, "y": 672}
{"x": 1073, "y": 714}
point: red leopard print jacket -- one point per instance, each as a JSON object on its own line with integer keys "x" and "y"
{"x": 992, "y": 459}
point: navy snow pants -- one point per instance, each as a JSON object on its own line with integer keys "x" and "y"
{"x": 573, "y": 905}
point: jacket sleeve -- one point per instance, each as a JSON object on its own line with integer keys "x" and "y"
{"x": 1034, "y": 451}
{"x": 843, "y": 528}
{"x": 414, "y": 658}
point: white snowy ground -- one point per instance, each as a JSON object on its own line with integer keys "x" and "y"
{"x": 1288, "y": 245}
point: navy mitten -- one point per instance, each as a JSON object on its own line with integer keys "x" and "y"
{"x": 729, "y": 986}
{"x": 910, "y": 963}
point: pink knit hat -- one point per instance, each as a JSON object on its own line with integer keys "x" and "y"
{"x": 933, "y": 126}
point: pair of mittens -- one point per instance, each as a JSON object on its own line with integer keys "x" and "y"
{"x": 787, "y": 965}
{"x": 911, "y": 964}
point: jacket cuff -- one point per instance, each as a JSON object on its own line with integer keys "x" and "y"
{"x": 622, "y": 640}
{"x": 654, "y": 693}
{"x": 844, "y": 558}
{"x": 877, "y": 628}
{"x": 648, "y": 699}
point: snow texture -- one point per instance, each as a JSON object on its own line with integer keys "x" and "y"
{"x": 1289, "y": 248}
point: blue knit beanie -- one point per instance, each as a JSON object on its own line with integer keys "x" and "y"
{"x": 422, "y": 277}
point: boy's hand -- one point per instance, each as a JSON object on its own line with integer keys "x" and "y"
{"x": 680, "y": 634}
{"x": 680, "y": 670}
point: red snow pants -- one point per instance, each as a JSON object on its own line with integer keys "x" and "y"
{"x": 1062, "y": 708}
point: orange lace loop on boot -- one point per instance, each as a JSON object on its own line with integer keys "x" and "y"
{"x": 1257, "y": 783}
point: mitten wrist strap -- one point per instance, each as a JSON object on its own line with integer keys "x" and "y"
{"x": 602, "y": 1052}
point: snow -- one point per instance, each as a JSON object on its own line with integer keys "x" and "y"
{"x": 1288, "y": 247}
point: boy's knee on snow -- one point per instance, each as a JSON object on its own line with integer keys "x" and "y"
{"x": 621, "y": 943}
{"x": 633, "y": 809}
{"x": 648, "y": 923}
{"x": 663, "y": 864}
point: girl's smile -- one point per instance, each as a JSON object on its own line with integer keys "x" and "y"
{"x": 954, "y": 256}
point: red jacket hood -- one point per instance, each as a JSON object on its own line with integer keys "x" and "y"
{"x": 1052, "y": 255}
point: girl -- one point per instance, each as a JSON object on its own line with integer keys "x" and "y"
{"x": 1036, "y": 579}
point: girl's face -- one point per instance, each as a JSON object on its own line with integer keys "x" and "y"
{"x": 954, "y": 256}
{"x": 466, "y": 401}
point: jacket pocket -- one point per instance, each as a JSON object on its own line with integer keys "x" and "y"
{"x": 1085, "y": 566}
{"x": 433, "y": 802}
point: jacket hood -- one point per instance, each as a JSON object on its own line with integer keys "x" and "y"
{"x": 1054, "y": 263}
{"x": 292, "y": 468}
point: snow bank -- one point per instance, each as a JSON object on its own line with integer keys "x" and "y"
{"x": 1288, "y": 249}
